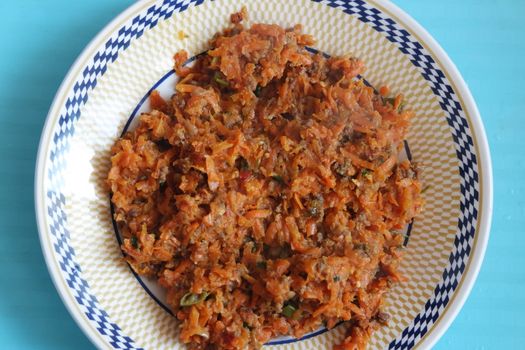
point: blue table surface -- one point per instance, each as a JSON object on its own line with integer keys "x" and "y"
{"x": 41, "y": 39}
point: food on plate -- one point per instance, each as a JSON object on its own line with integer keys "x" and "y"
{"x": 267, "y": 196}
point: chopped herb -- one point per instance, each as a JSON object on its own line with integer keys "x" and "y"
{"x": 214, "y": 61}
{"x": 219, "y": 79}
{"x": 392, "y": 102}
{"x": 189, "y": 299}
{"x": 426, "y": 188}
{"x": 134, "y": 242}
{"x": 257, "y": 90}
{"x": 278, "y": 179}
{"x": 254, "y": 248}
{"x": 289, "y": 310}
{"x": 337, "y": 278}
{"x": 246, "y": 325}
{"x": 262, "y": 265}
{"x": 366, "y": 172}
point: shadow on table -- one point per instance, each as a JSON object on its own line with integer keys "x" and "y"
{"x": 31, "y": 312}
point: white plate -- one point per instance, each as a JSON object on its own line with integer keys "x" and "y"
{"x": 108, "y": 85}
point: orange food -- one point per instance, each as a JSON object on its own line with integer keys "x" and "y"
{"x": 266, "y": 195}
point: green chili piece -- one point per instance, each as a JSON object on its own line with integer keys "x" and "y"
{"x": 426, "y": 188}
{"x": 392, "y": 102}
{"x": 288, "y": 310}
{"x": 278, "y": 179}
{"x": 257, "y": 91}
{"x": 189, "y": 299}
{"x": 220, "y": 80}
{"x": 134, "y": 242}
{"x": 366, "y": 172}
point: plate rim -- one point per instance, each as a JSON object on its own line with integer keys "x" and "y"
{"x": 486, "y": 204}
{"x": 456, "y": 80}
{"x": 41, "y": 159}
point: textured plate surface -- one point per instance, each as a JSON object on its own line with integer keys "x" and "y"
{"x": 135, "y": 51}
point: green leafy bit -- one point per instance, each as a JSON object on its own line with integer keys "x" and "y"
{"x": 219, "y": 79}
{"x": 366, "y": 172}
{"x": 257, "y": 90}
{"x": 278, "y": 179}
{"x": 134, "y": 242}
{"x": 247, "y": 326}
{"x": 189, "y": 299}
{"x": 214, "y": 61}
{"x": 337, "y": 278}
{"x": 392, "y": 102}
{"x": 289, "y": 310}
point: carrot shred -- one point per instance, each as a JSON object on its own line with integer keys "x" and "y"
{"x": 266, "y": 194}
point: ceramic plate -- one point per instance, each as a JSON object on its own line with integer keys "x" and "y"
{"x": 108, "y": 86}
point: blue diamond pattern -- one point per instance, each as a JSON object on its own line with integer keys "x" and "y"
{"x": 465, "y": 152}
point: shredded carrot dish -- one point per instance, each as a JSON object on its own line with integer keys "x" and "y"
{"x": 266, "y": 196}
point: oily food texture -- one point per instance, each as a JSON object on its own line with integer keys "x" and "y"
{"x": 266, "y": 195}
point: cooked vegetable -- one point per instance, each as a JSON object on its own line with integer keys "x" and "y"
{"x": 289, "y": 310}
{"x": 397, "y": 102}
{"x": 220, "y": 80}
{"x": 134, "y": 242}
{"x": 278, "y": 179}
{"x": 365, "y": 172}
{"x": 189, "y": 299}
{"x": 426, "y": 188}
{"x": 283, "y": 203}
{"x": 257, "y": 91}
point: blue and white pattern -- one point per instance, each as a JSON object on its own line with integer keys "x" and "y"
{"x": 56, "y": 201}
{"x": 120, "y": 41}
